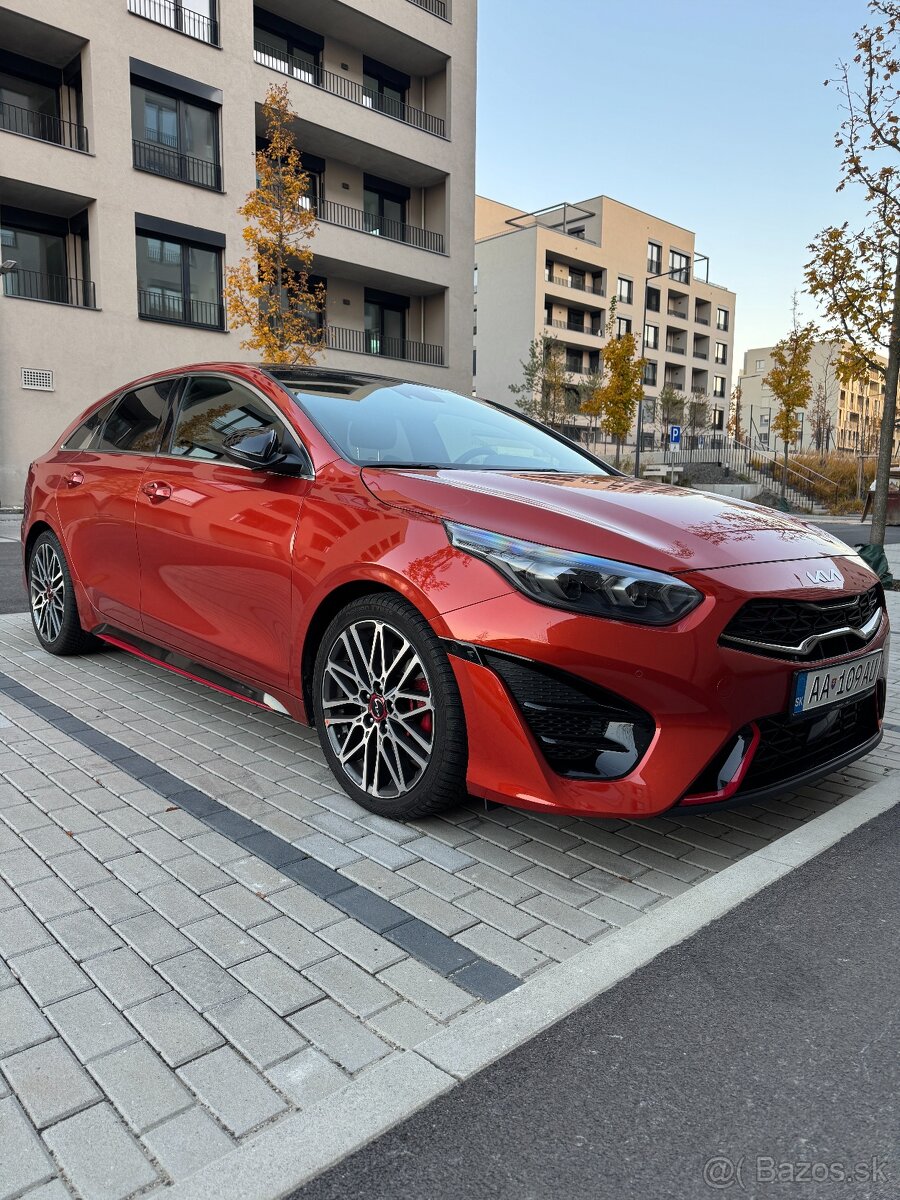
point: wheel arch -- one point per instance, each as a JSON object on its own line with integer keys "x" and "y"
{"x": 34, "y": 533}
{"x": 327, "y": 610}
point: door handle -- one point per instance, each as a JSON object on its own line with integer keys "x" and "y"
{"x": 74, "y": 478}
{"x": 157, "y": 491}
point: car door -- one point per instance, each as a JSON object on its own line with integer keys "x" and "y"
{"x": 215, "y": 538}
{"x": 96, "y": 501}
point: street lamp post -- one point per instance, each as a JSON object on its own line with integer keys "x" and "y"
{"x": 640, "y": 418}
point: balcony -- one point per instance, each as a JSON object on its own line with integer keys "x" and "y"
{"x": 437, "y": 8}
{"x": 364, "y": 341}
{"x": 164, "y": 306}
{"x": 51, "y": 289}
{"x": 672, "y": 349}
{"x": 347, "y": 89}
{"x": 45, "y": 128}
{"x": 575, "y": 328}
{"x": 174, "y": 15}
{"x": 364, "y": 222}
{"x": 578, "y": 285}
{"x": 678, "y": 314}
{"x": 165, "y": 160}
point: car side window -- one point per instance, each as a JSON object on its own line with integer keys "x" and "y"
{"x": 213, "y": 408}
{"x": 135, "y": 424}
{"x": 88, "y": 431}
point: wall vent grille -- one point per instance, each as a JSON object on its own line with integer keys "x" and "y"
{"x": 35, "y": 380}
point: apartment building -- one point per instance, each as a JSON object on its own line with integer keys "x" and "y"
{"x": 127, "y": 138}
{"x": 555, "y": 272}
{"x": 843, "y": 417}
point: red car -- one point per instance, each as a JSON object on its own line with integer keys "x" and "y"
{"x": 460, "y": 599}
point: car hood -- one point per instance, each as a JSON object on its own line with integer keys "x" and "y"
{"x": 666, "y": 528}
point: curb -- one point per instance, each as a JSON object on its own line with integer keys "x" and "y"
{"x": 293, "y": 1151}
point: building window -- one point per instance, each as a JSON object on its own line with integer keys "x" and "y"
{"x": 717, "y": 421}
{"x": 385, "y": 323}
{"x": 50, "y": 257}
{"x": 175, "y": 136}
{"x": 384, "y": 204}
{"x": 679, "y": 266}
{"x": 179, "y": 281}
{"x": 575, "y": 361}
{"x": 722, "y": 319}
{"x": 650, "y": 374}
{"x": 651, "y": 337}
{"x": 626, "y": 291}
{"x": 575, "y": 320}
{"x": 286, "y": 47}
{"x": 593, "y": 360}
{"x": 623, "y": 326}
{"x": 653, "y": 298}
{"x": 719, "y": 386}
{"x": 761, "y": 366}
{"x": 654, "y": 258}
{"x": 384, "y": 89}
{"x": 721, "y": 353}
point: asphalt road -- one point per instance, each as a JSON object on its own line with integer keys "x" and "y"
{"x": 768, "y": 1041}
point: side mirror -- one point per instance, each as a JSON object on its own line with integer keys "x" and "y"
{"x": 257, "y": 449}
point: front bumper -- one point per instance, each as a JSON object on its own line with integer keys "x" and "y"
{"x": 701, "y": 696}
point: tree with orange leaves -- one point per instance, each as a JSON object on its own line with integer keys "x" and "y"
{"x": 269, "y": 289}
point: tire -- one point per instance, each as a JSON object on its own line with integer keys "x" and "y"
{"x": 387, "y": 710}
{"x": 51, "y": 598}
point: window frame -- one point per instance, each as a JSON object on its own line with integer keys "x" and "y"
{"x": 165, "y": 425}
{"x": 185, "y": 244}
{"x": 181, "y": 99}
{"x": 629, "y": 289}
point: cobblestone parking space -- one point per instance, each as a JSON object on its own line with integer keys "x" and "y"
{"x": 201, "y": 937}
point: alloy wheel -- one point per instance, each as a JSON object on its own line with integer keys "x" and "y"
{"x": 48, "y": 592}
{"x": 378, "y": 708}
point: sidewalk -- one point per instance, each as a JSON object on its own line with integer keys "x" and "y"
{"x": 214, "y": 959}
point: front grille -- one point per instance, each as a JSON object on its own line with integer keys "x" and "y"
{"x": 789, "y": 749}
{"x": 783, "y": 624}
{"x": 582, "y": 730}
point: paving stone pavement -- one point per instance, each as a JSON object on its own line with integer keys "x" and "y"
{"x": 200, "y": 936}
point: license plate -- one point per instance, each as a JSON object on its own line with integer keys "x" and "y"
{"x": 828, "y": 685}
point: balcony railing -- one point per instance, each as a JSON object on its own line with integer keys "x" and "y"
{"x": 164, "y": 306}
{"x": 175, "y": 16}
{"x": 701, "y": 354}
{"x": 578, "y": 284}
{"x": 364, "y": 341}
{"x": 701, "y": 320}
{"x": 163, "y": 160}
{"x": 679, "y": 316}
{"x": 722, "y": 328}
{"x": 54, "y": 289}
{"x": 654, "y": 266}
{"x": 570, "y": 328}
{"x": 347, "y": 89}
{"x": 675, "y": 349}
{"x": 43, "y": 126}
{"x": 436, "y": 7}
{"x": 364, "y": 222}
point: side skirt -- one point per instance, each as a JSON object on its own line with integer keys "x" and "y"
{"x": 189, "y": 668}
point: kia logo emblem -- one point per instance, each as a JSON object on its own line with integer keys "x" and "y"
{"x": 832, "y": 575}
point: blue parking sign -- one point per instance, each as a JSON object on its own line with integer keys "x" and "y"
{"x": 675, "y": 435}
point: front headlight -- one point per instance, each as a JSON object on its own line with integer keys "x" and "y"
{"x": 580, "y": 582}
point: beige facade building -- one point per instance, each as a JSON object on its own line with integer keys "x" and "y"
{"x": 842, "y": 417}
{"x": 127, "y": 138}
{"x": 555, "y": 272}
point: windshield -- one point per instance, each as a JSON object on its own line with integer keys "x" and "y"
{"x": 405, "y": 424}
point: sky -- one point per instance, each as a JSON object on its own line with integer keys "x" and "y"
{"x": 711, "y": 114}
